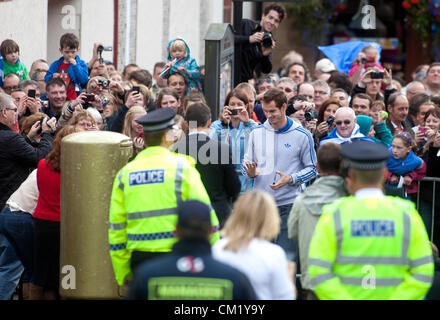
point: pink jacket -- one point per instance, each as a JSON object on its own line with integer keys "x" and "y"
{"x": 415, "y": 175}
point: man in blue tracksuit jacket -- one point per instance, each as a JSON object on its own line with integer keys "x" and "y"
{"x": 280, "y": 158}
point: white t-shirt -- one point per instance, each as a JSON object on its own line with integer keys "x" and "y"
{"x": 265, "y": 265}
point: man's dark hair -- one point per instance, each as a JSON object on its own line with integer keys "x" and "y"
{"x": 276, "y": 7}
{"x": 304, "y": 66}
{"x": 198, "y": 113}
{"x": 434, "y": 64}
{"x": 341, "y": 80}
{"x": 416, "y": 101}
{"x": 436, "y": 100}
{"x": 290, "y": 109}
{"x": 177, "y": 73}
{"x": 362, "y": 96}
{"x": 160, "y": 64}
{"x": 55, "y": 81}
{"x": 124, "y": 72}
{"x": 329, "y": 158}
{"x": 277, "y": 95}
{"x": 141, "y": 76}
{"x": 69, "y": 40}
{"x": 154, "y": 138}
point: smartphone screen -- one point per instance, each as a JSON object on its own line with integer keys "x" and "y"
{"x": 31, "y": 93}
{"x": 136, "y": 89}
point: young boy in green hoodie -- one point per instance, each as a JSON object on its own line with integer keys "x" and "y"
{"x": 10, "y": 62}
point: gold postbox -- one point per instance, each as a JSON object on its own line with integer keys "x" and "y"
{"x": 89, "y": 163}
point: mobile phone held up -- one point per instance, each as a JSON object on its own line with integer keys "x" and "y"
{"x": 31, "y": 93}
{"x": 136, "y": 89}
{"x": 377, "y": 75}
{"x": 140, "y": 133}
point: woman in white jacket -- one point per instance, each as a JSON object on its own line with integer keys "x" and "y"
{"x": 246, "y": 246}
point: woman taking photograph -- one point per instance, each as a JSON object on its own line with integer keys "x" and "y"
{"x": 234, "y": 128}
{"x": 246, "y": 245}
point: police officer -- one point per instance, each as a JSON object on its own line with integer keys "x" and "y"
{"x": 190, "y": 272}
{"x": 146, "y": 192}
{"x": 368, "y": 245}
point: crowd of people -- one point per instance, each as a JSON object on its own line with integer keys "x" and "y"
{"x": 277, "y": 159}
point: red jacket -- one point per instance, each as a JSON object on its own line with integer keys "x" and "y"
{"x": 415, "y": 175}
{"x": 49, "y": 185}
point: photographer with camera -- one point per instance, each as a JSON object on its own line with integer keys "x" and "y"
{"x": 256, "y": 42}
{"x": 96, "y": 65}
{"x": 299, "y": 109}
{"x": 371, "y": 84}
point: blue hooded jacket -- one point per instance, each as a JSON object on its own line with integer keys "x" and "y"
{"x": 79, "y": 73}
{"x": 189, "y": 64}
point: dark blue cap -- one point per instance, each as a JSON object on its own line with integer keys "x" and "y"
{"x": 192, "y": 213}
{"x": 364, "y": 155}
{"x": 158, "y": 119}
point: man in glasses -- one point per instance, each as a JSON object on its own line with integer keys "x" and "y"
{"x": 263, "y": 84}
{"x": 346, "y": 130}
{"x": 288, "y": 86}
{"x": 17, "y": 156}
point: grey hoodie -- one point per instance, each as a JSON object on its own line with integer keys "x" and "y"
{"x": 289, "y": 150}
{"x": 306, "y": 212}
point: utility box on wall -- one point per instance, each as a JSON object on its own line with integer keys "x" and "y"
{"x": 219, "y": 65}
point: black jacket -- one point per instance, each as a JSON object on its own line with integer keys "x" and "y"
{"x": 251, "y": 57}
{"x": 219, "y": 177}
{"x": 17, "y": 159}
{"x": 189, "y": 272}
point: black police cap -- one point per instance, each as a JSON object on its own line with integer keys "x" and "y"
{"x": 158, "y": 119}
{"x": 365, "y": 155}
{"x": 192, "y": 213}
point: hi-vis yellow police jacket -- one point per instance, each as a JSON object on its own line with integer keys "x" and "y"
{"x": 374, "y": 248}
{"x": 143, "y": 208}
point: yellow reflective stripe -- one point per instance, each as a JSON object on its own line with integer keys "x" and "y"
{"x": 118, "y": 226}
{"x": 338, "y": 229}
{"x": 320, "y": 263}
{"x": 379, "y": 282}
{"x": 422, "y": 278}
{"x": 421, "y": 261}
{"x": 372, "y": 260}
{"x": 406, "y": 234}
{"x": 178, "y": 179}
{"x": 322, "y": 278}
{"x": 151, "y": 213}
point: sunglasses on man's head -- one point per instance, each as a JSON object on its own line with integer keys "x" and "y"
{"x": 268, "y": 80}
{"x": 346, "y": 122}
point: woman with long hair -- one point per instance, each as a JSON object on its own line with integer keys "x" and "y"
{"x": 46, "y": 220}
{"x": 133, "y": 129}
{"x": 246, "y": 245}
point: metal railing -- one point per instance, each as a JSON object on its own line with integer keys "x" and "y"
{"x": 434, "y": 181}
